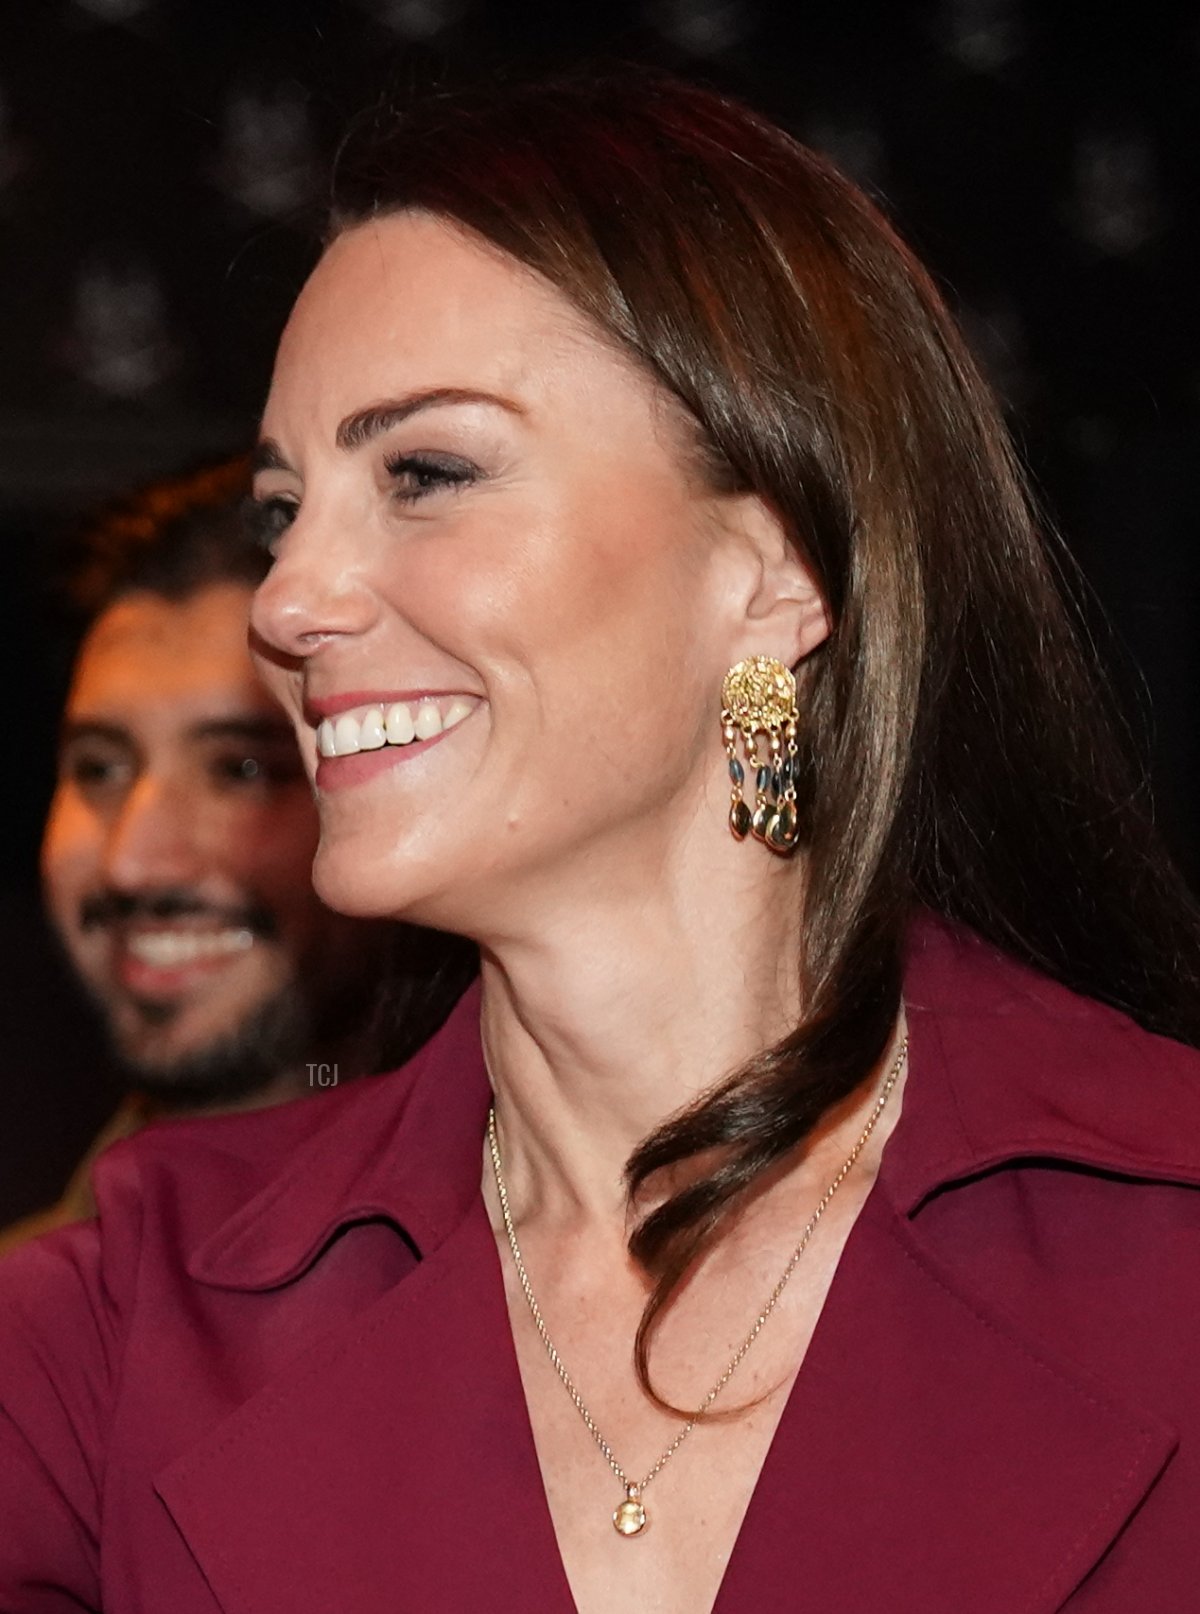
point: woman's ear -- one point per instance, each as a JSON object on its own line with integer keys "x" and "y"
{"x": 781, "y": 608}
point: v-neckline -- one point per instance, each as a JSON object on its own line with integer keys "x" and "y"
{"x": 926, "y": 1432}
{"x": 729, "y": 1599}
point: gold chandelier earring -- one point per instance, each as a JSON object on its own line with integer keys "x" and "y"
{"x": 758, "y": 702}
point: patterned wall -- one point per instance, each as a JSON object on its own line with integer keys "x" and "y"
{"x": 161, "y": 167}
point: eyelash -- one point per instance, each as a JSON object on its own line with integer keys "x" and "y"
{"x": 442, "y": 473}
{"x": 268, "y": 519}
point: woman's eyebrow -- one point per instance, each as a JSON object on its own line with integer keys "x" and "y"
{"x": 365, "y": 424}
{"x": 268, "y": 456}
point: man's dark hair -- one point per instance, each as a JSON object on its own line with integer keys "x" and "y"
{"x": 171, "y": 538}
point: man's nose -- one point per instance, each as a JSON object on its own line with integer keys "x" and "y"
{"x": 153, "y": 840}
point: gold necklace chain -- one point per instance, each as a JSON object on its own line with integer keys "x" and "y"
{"x": 630, "y": 1518}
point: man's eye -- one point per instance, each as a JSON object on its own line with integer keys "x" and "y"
{"x": 239, "y": 768}
{"x": 266, "y": 520}
{"x": 93, "y": 774}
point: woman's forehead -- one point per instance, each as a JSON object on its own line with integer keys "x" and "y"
{"x": 412, "y": 301}
{"x": 415, "y": 287}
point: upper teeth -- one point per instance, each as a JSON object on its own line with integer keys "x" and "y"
{"x": 166, "y": 948}
{"x": 367, "y": 728}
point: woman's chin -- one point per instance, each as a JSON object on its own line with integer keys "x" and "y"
{"x": 374, "y": 888}
{"x": 356, "y": 886}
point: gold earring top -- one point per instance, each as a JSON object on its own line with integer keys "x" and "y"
{"x": 759, "y": 693}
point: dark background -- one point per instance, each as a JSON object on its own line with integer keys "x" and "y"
{"x": 161, "y": 173}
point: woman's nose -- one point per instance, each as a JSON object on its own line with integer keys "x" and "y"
{"x": 315, "y": 592}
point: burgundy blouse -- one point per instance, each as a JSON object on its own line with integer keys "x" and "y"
{"x": 278, "y": 1378}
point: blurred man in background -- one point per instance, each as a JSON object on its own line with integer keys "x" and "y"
{"x": 177, "y": 853}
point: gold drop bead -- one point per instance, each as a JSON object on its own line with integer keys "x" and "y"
{"x": 629, "y": 1518}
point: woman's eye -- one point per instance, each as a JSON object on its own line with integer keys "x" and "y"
{"x": 416, "y": 475}
{"x": 267, "y": 520}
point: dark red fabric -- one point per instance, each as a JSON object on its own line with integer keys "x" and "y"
{"x": 278, "y": 1376}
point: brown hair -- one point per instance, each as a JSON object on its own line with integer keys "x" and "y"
{"x": 171, "y": 538}
{"x": 959, "y": 748}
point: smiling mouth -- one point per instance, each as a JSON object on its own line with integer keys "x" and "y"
{"x": 174, "y": 949}
{"x": 167, "y": 961}
{"x": 398, "y": 723}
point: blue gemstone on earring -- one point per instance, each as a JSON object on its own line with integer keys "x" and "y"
{"x": 762, "y": 780}
{"x": 776, "y": 782}
{"x": 736, "y": 772}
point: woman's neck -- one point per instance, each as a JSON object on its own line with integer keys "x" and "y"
{"x": 596, "y": 1032}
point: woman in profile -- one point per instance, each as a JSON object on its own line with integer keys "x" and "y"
{"x": 803, "y": 1210}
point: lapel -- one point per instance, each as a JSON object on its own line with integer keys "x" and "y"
{"x": 934, "y": 1463}
{"x": 393, "y": 1472}
{"x": 933, "y": 1457}
{"x": 930, "y": 1459}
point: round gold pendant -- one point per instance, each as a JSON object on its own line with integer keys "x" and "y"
{"x": 630, "y": 1518}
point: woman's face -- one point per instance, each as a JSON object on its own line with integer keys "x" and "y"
{"x": 500, "y": 595}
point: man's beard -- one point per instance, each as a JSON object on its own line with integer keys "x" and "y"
{"x": 272, "y": 1039}
{"x": 301, "y": 1021}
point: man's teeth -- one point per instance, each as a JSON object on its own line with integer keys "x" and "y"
{"x": 167, "y": 949}
{"x": 368, "y": 728}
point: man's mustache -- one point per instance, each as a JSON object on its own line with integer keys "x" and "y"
{"x": 104, "y": 908}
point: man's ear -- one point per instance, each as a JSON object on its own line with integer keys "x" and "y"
{"x": 782, "y": 610}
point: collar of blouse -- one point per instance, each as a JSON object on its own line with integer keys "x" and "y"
{"x": 936, "y": 1440}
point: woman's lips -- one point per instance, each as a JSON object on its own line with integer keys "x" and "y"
{"x": 337, "y": 773}
{"x": 316, "y": 707}
{"x": 360, "y": 742}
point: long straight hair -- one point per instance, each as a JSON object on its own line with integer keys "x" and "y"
{"x": 959, "y": 746}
